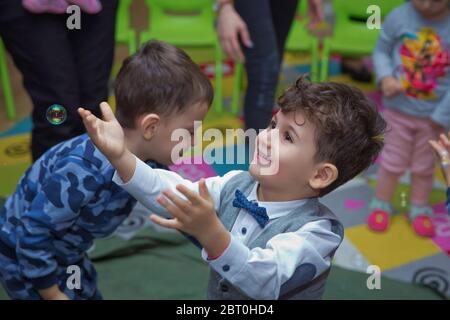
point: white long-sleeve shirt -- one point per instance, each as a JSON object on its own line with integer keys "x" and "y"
{"x": 258, "y": 272}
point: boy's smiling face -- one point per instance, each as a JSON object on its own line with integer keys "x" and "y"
{"x": 290, "y": 140}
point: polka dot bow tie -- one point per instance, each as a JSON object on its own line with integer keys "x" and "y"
{"x": 257, "y": 212}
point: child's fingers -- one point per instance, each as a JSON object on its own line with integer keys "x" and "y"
{"x": 166, "y": 223}
{"x": 203, "y": 190}
{"x": 442, "y": 155}
{"x": 107, "y": 113}
{"x": 83, "y": 112}
{"x": 190, "y": 195}
{"x": 445, "y": 140}
{"x": 91, "y": 118}
{"x": 90, "y": 122}
{"x": 86, "y": 115}
{"x": 176, "y": 206}
{"x": 436, "y": 147}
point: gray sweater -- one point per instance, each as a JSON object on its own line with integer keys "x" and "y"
{"x": 305, "y": 284}
{"x": 416, "y": 51}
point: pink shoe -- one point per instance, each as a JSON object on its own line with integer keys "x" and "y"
{"x": 423, "y": 226}
{"x": 378, "y": 220}
{"x": 88, "y": 6}
{"x": 45, "y": 6}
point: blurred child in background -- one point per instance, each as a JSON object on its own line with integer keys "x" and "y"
{"x": 412, "y": 65}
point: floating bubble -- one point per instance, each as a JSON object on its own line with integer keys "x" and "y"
{"x": 56, "y": 114}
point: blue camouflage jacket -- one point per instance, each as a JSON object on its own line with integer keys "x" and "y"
{"x": 62, "y": 203}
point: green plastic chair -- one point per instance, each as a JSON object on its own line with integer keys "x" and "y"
{"x": 352, "y": 37}
{"x": 187, "y": 23}
{"x": 237, "y": 87}
{"x": 299, "y": 39}
{"x": 124, "y": 33}
{"x": 6, "y": 84}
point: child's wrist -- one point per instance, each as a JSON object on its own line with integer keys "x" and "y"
{"x": 216, "y": 241}
{"x": 120, "y": 158}
{"x": 125, "y": 165}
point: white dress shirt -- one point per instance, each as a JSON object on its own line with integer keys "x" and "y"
{"x": 258, "y": 272}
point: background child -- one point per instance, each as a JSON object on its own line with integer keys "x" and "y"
{"x": 412, "y": 62}
{"x": 60, "y": 6}
{"x": 442, "y": 148}
{"x": 274, "y": 240}
{"x": 66, "y": 199}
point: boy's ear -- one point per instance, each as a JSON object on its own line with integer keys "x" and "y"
{"x": 325, "y": 175}
{"x": 148, "y": 124}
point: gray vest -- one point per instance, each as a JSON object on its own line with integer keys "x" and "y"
{"x": 303, "y": 284}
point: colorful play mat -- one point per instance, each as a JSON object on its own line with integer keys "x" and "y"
{"x": 399, "y": 253}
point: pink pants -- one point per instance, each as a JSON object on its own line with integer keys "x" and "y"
{"x": 407, "y": 148}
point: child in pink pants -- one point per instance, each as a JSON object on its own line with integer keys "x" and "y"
{"x": 412, "y": 64}
{"x": 406, "y": 148}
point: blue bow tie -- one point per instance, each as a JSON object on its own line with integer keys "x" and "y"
{"x": 257, "y": 212}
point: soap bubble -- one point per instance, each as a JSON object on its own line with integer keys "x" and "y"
{"x": 56, "y": 114}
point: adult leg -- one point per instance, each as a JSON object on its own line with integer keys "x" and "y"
{"x": 283, "y": 13}
{"x": 41, "y": 50}
{"x": 94, "y": 54}
{"x": 261, "y": 62}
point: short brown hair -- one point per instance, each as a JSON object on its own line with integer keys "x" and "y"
{"x": 159, "y": 78}
{"x": 348, "y": 129}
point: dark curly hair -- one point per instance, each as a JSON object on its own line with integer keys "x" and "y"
{"x": 349, "y": 131}
{"x": 159, "y": 78}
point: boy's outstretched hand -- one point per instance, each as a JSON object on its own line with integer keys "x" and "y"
{"x": 196, "y": 217}
{"x": 442, "y": 150}
{"x": 109, "y": 138}
{"x": 106, "y": 134}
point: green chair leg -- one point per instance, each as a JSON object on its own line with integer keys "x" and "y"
{"x": 132, "y": 45}
{"x": 325, "y": 60}
{"x": 237, "y": 85}
{"x": 125, "y": 34}
{"x": 314, "y": 59}
{"x": 6, "y": 84}
{"x": 218, "y": 95}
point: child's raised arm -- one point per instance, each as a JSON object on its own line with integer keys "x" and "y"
{"x": 109, "y": 138}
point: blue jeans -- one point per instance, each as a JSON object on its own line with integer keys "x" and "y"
{"x": 268, "y": 22}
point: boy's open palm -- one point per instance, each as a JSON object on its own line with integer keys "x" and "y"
{"x": 106, "y": 134}
{"x": 195, "y": 216}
